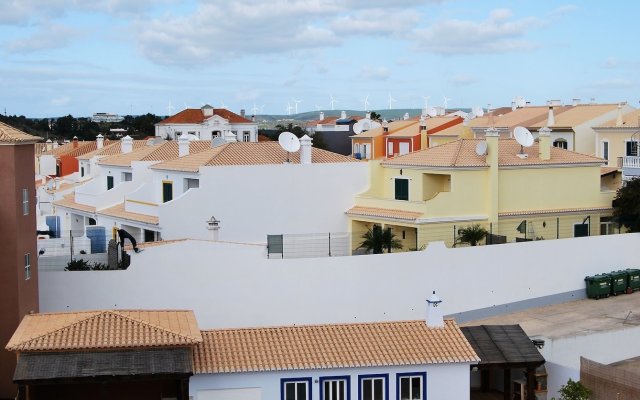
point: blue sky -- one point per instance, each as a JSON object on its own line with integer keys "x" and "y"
{"x": 137, "y": 56}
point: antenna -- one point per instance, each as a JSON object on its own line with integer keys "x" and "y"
{"x": 391, "y": 100}
{"x": 481, "y": 148}
{"x": 288, "y": 108}
{"x": 222, "y": 105}
{"x": 524, "y": 138}
{"x": 170, "y": 108}
{"x": 289, "y": 142}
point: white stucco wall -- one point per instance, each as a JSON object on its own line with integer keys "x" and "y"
{"x": 234, "y": 285}
{"x": 444, "y": 381}
{"x": 253, "y": 201}
{"x": 47, "y": 165}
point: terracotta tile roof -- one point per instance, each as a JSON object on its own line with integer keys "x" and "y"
{"x": 452, "y": 131}
{"x": 394, "y": 126}
{"x": 246, "y": 153}
{"x": 106, "y": 329}
{"x": 68, "y": 201}
{"x": 462, "y": 153}
{"x": 629, "y": 120}
{"x": 511, "y": 119}
{"x": 125, "y": 159}
{"x": 9, "y": 134}
{"x": 384, "y": 213}
{"x": 196, "y": 116}
{"x": 83, "y": 148}
{"x": 330, "y": 346}
{"x": 327, "y": 121}
{"x": 118, "y": 211}
{"x": 111, "y": 148}
{"x": 573, "y": 116}
{"x": 60, "y": 150}
{"x": 607, "y": 170}
{"x": 553, "y": 211}
{"x": 169, "y": 150}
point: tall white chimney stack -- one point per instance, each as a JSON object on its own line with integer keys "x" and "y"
{"x": 126, "y": 144}
{"x": 551, "y": 120}
{"x": 435, "y": 317}
{"x": 183, "y": 145}
{"x": 305, "y": 149}
{"x": 99, "y": 141}
{"x": 619, "y": 119}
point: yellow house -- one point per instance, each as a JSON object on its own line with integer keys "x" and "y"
{"x": 617, "y": 142}
{"x": 537, "y": 192}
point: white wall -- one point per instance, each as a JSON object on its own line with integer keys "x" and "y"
{"x": 234, "y": 285}
{"x": 47, "y": 165}
{"x": 444, "y": 381}
{"x": 253, "y": 201}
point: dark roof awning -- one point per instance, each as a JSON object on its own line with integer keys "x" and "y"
{"x": 33, "y": 367}
{"x": 502, "y": 346}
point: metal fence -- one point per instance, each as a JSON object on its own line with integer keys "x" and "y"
{"x": 330, "y": 244}
{"x": 609, "y": 382}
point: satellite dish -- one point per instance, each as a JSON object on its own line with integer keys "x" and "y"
{"x": 357, "y": 128}
{"x": 523, "y": 136}
{"x": 481, "y": 148}
{"x": 289, "y": 142}
{"x": 432, "y": 112}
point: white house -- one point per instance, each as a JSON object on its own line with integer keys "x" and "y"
{"x": 416, "y": 360}
{"x": 206, "y": 123}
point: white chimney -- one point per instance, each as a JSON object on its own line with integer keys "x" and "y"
{"x": 550, "y": 118}
{"x": 207, "y": 110}
{"x": 126, "y": 144}
{"x": 99, "y": 141}
{"x": 368, "y": 115}
{"x": 435, "y": 318}
{"x": 619, "y": 120}
{"x": 49, "y": 145}
{"x": 305, "y": 149}
{"x": 343, "y": 115}
{"x": 513, "y": 106}
{"x": 213, "y": 225}
{"x": 544, "y": 143}
{"x": 321, "y": 115}
{"x": 183, "y": 145}
{"x": 405, "y": 116}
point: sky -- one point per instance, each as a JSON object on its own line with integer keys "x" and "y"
{"x": 79, "y": 57}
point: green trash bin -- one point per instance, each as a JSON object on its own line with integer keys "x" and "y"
{"x": 618, "y": 282}
{"x": 633, "y": 278}
{"x": 598, "y": 286}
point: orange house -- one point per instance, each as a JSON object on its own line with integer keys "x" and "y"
{"x": 415, "y": 136}
{"x": 67, "y": 162}
{"x": 370, "y": 145}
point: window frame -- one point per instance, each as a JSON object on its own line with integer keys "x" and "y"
{"x": 628, "y": 142}
{"x": 346, "y": 378}
{"x": 166, "y": 182}
{"x": 422, "y": 375}
{"x": 563, "y": 142}
{"x": 25, "y": 201}
{"x": 306, "y": 380}
{"x": 605, "y": 146}
{"x": 395, "y": 188}
{"x": 110, "y": 182}
{"x": 27, "y": 266}
{"x": 385, "y": 388}
{"x": 246, "y": 136}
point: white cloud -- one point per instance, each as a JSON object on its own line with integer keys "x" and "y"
{"x": 610, "y": 63}
{"x": 375, "y": 22}
{"x": 374, "y": 73}
{"x": 499, "y": 33}
{"x": 48, "y": 36}
{"x": 60, "y": 101}
{"x": 563, "y": 10}
{"x": 462, "y": 80}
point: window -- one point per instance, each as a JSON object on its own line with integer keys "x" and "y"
{"x": 560, "y": 143}
{"x": 632, "y": 148}
{"x": 109, "y": 182}
{"x": 402, "y": 189}
{"x": 389, "y": 149}
{"x": 178, "y": 134}
{"x": 167, "y": 191}
{"x": 295, "y": 389}
{"x": 373, "y": 387}
{"x": 605, "y": 150}
{"x": 191, "y": 183}
{"x": 334, "y": 388}
{"x": 27, "y": 266}
{"x": 606, "y": 226}
{"x": 215, "y": 134}
{"x": 127, "y": 176}
{"x": 580, "y": 230}
{"x": 25, "y": 201}
{"x": 412, "y": 386}
{"x": 81, "y": 171}
{"x": 246, "y": 136}
{"x": 404, "y": 148}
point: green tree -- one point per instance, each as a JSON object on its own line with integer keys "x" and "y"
{"x": 377, "y": 240}
{"x": 290, "y": 127}
{"x": 472, "y": 235}
{"x": 375, "y": 116}
{"x": 574, "y": 391}
{"x": 318, "y": 141}
{"x": 626, "y": 205}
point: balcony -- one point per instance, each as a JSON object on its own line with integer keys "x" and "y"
{"x": 630, "y": 166}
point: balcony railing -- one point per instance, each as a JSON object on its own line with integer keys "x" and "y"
{"x": 629, "y": 162}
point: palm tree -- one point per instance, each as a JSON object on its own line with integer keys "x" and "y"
{"x": 376, "y": 240}
{"x": 472, "y": 234}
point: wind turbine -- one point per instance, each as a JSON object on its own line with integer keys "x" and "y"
{"x": 391, "y": 100}
{"x": 255, "y": 109}
{"x": 333, "y": 101}
{"x": 170, "y": 108}
{"x": 366, "y": 103}
{"x": 445, "y": 102}
{"x": 318, "y": 108}
{"x": 222, "y": 105}
{"x": 296, "y": 104}
{"x": 426, "y": 102}
{"x": 288, "y": 108}
{"x": 185, "y": 105}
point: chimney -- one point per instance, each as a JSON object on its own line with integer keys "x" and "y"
{"x": 406, "y": 116}
{"x": 242, "y": 113}
{"x": 305, "y": 149}
{"x": 99, "y": 141}
{"x": 321, "y": 115}
{"x": 385, "y": 126}
{"x": 207, "y": 110}
{"x": 435, "y": 318}
{"x": 213, "y": 225}
{"x": 368, "y": 115}
{"x": 575, "y": 102}
{"x": 550, "y": 118}
{"x": 75, "y": 142}
{"x": 55, "y": 144}
{"x": 513, "y": 106}
{"x": 183, "y": 145}
{"x": 343, "y": 114}
{"x": 49, "y": 144}
{"x": 492, "y": 137}
{"x": 544, "y": 143}
{"x": 423, "y": 124}
{"x": 126, "y": 144}
{"x": 619, "y": 120}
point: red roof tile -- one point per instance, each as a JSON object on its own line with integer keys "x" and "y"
{"x": 196, "y": 116}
